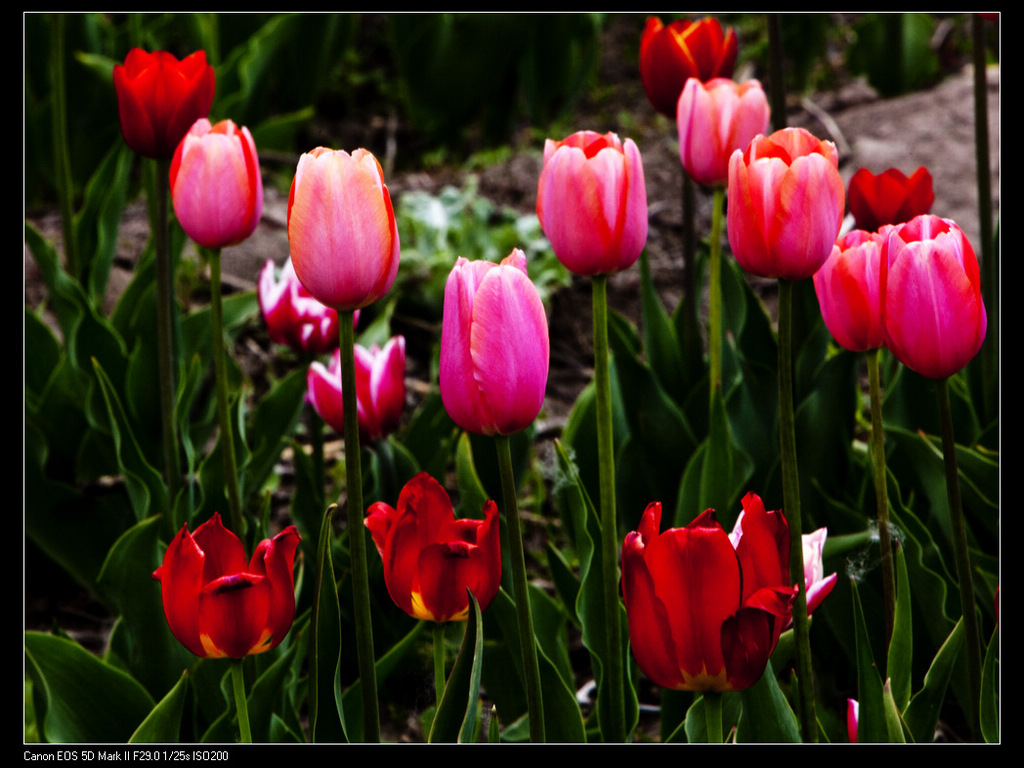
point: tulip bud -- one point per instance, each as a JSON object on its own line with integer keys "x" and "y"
{"x": 494, "y": 346}
{"x": 159, "y": 98}
{"x": 932, "y": 310}
{"x": 380, "y": 389}
{"x": 430, "y": 558}
{"x": 216, "y": 186}
{"x": 218, "y": 606}
{"x": 671, "y": 55}
{"x": 341, "y": 228}
{"x": 715, "y": 119}
{"x": 592, "y": 202}
{"x": 786, "y": 201}
{"x": 889, "y": 197}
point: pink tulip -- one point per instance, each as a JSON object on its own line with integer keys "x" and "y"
{"x": 380, "y": 389}
{"x": 341, "y": 228}
{"x": 293, "y": 317}
{"x": 494, "y": 346}
{"x": 932, "y": 309}
{"x": 786, "y": 203}
{"x": 592, "y": 202}
{"x": 847, "y": 288}
{"x": 818, "y": 585}
{"x": 852, "y": 718}
{"x": 715, "y": 119}
{"x": 216, "y": 187}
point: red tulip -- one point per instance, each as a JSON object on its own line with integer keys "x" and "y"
{"x": 380, "y": 389}
{"x": 494, "y": 346}
{"x": 715, "y": 119}
{"x": 852, "y": 718}
{"x": 932, "y": 309}
{"x": 705, "y": 609}
{"x": 786, "y": 202}
{"x": 430, "y": 558}
{"x": 671, "y": 55}
{"x": 215, "y": 604}
{"x": 847, "y": 288}
{"x": 293, "y": 317}
{"x": 592, "y": 202}
{"x": 159, "y": 98}
{"x": 216, "y": 186}
{"x": 890, "y": 197}
{"x": 342, "y": 229}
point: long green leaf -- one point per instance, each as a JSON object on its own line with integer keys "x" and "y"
{"x": 457, "y": 715}
{"x": 922, "y": 714}
{"x": 163, "y": 723}
{"x": 871, "y": 727}
{"x": 326, "y": 721}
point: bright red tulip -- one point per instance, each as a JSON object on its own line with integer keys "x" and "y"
{"x": 890, "y": 197}
{"x": 852, "y": 718}
{"x": 847, "y": 288}
{"x": 715, "y": 118}
{"x": 705, "y": 609}
{"x": 786, "y": 201}
{"x": 592, "y": 202}
{"x": 932, "y": 309}
{"x": 216, "y": 605}
{"x": 380, "y": 389}
{"x": 159, "y": 98}
{"x": 342, "y": 229}
{"x": 494, "y": 346}
{"x": 216, "y": 186}
{"x": 430, "y": 558}
{"x": 293, "y": 317}
{"x": 669, "y": 56}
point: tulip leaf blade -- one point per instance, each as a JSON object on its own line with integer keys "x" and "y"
{"x": 326, "y": 716}
{"x": 163, "y": 723}
{"x": 457, "y": 714}
{"x": 989, "y": 709}
{"x": 871, "y": 726}
{"x": 901, "y": 646}
{"x": 922, "y": 714}
{"x": 766, "y": 715}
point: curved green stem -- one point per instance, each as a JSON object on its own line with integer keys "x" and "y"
{"x": 356, "y": 533}
{"x": 881, "y": 493}
{"x": 517, "y": 557}
{"x": 609, "y": 524}
{"x": 439, "y": 677}
{"x": 791, "y": 507}
{"x": 715, "y": 296}
{"x": 227, "y": 434}
{"x": 241, "y": 707}
{"x": 960, "y": 553}
{"x": 713, "y": 716}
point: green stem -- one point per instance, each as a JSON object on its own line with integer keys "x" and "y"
{"x": 609, "y": 525}
{"x": 715, "y": 295}
{"x": 881, "y": 493}
{"x": 241, "y": 707}
{"x": 791, "y": 506}
{"x": 166, "y": 354}
{"x": 960, "y": 553}
{"x": 227, "y": 434}
{"x": 713, "y": 716}
{"x": 527, "y": 638}
{"x": 356, "y": 533}
{"x": 439, "y": 677}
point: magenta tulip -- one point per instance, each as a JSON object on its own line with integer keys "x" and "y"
{"x": 293, "y": 317}
{"x": 592, "y": 202}
{"x": 715, "y": 118}
{"x": 380, "y": 389}
{"x": 847, "y": 288}
{"x": 932, "y": 309}
{"x": 341, "y": 228}
{"x": 786, "y": 204}
{"x": 216, "y": 186}
{"x": 494, "y": 346}
{"x": 817, "y": 584}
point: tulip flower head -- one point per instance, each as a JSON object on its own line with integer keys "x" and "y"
{"x": 216, "y": 186}
{"x": 852, "y": 719}
{"x": 890, "y": 197}
{"x": 217, "y": 605}
{"x": 847, "y": 287}
{"x": 671, "y": 55}
{"x": 592, "y": 202}
{"x": 380, "y": 389}
{"x": 932, "y": 309}
{"x": 706, "y": 609}
{"x": 293, "y": 317}
{"x": 494, "y": 346}
{"x": 159, "y": 98}
{"x": 341, "y": 228}
{"x": 715, "y": 118}
{"x": 430, "y": 558}
{"x": 786, "y": 202}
